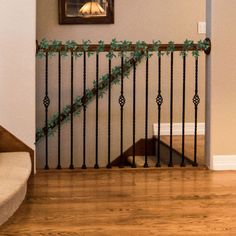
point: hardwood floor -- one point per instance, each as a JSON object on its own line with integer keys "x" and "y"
{"x": 127, "y": 202}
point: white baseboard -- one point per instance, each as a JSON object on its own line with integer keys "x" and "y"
{"x": 227, "y": 162}
{"x": 177, "y": 129}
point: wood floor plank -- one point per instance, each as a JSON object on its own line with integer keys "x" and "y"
{"x": 120, "y": 203}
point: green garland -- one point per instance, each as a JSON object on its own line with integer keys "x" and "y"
{"x": 141, "y": 50}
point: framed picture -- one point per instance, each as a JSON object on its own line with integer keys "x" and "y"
{"x": 86, "y": 11}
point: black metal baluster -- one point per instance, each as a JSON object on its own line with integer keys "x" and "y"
{"x": 134, "y": 113}
{"x": 196, "y": 101}
{"x": 84, "y": 112}
{"x": 159, "y": 101}
{"x": 96, "y": 166}
{"x": 122, "y": 103}
{"x": 171, "y": 109}
{"x": 183, "y": 113}
{"x": 46, "y": 102}
{"x": 146, "y": 113}
{"x": 109, "y": 117}
{"x": 59, "y": 112}
{"x": 71, "y": 115}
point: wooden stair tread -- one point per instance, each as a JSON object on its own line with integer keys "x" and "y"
{"x": 177, "y": 150}
{"x": 15, "y": 169}
{"x": 10, "y": 143}
{"x": 189, "y": 146}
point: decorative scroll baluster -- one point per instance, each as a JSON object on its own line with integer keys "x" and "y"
{"x": 134, "y": 113}
{"x": 84, "y": 112}
{"x": 96, "y": 166}
{"x": 196, "y": 101}
{"x": 109, "y": 117}
{"x": 146, "y": 113}
{"x": 183, "y": 113}
{"x": 159, "y": 101}
{"x": 122, "y": 103}
{"x": 59, "y": 112}
{"x": 171, "y": 108}
{"x": 46, "y": 102}
{"x": 71, "y": 115}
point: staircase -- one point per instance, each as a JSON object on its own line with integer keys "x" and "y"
{"x": 16, "y": 160}
{"x": 15, "y": 169}
{"x": 165, "y": 149}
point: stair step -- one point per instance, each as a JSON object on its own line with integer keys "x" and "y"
{"x": 15, "y": 169}
{"x": 139, "y": 160}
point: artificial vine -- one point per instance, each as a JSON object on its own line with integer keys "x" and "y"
{"x": 141, "y": 49}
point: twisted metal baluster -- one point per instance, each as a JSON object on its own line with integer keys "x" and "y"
{"x": 46, "y": 102}
{"x": 122, "y": 103}
{"x": 71, "y": 115}
{"x": 159, "y": 101}
{"x": 171, "y": 108}
{"x": 59, "y": 112}
{"x": 196, "y": 101}
{"x": 134, "y": 113}
{"x": 183, "y": 113}
{"x": 109, "y": 117}
{"x": 84, "y": 112}
{"x": 96, "y": 166}
{"x": 146, "y": 113}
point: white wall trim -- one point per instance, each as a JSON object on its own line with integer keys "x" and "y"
{"x": 177, "y": 129}
{"x": 224, "y": 162}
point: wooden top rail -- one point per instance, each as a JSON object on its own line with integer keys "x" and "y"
{"x": 132, "y": 47}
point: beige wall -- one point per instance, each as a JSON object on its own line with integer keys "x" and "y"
{"x": 17, "y": 68}
{"x": 134, "y": 20}
{"x": 221, "y": 113}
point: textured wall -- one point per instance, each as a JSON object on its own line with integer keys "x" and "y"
{"x": 221, "y": 83}
{"x": 134, "y": 20}
{"x": 17, "y": 73}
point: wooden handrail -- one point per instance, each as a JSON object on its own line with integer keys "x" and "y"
{"x": 132, "y": 47}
